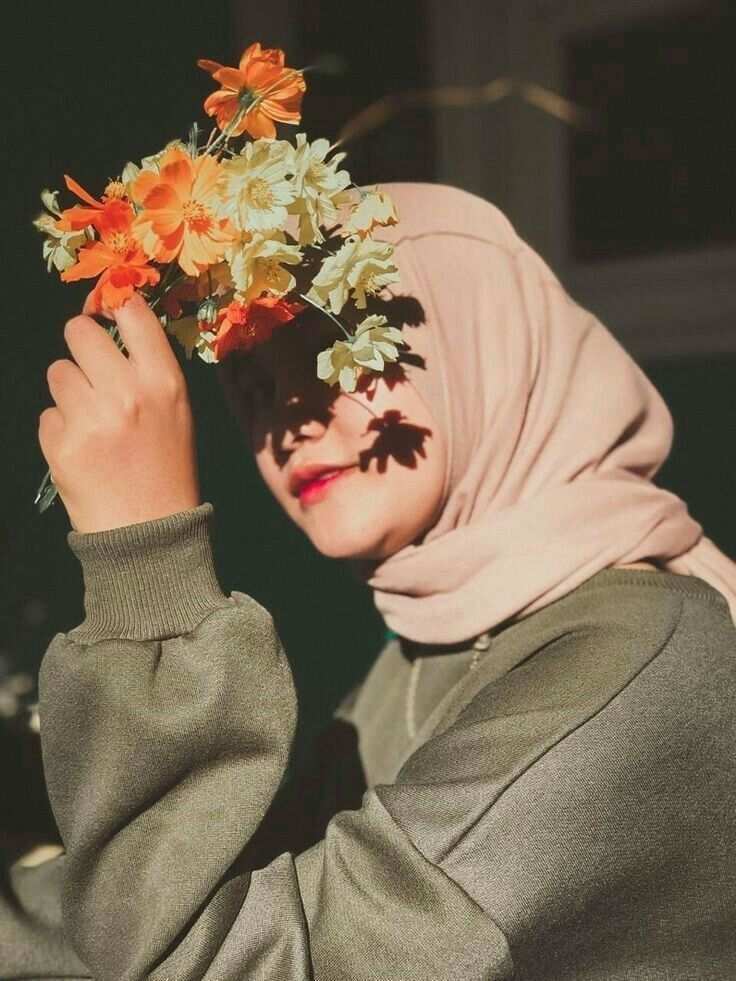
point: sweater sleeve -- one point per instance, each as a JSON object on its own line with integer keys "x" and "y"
{"x": 167, "y": 719}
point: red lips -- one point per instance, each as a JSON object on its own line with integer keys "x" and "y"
{"x": 303, "y": 475}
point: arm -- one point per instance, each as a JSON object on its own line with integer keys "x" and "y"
{"x": 163, "y": 755}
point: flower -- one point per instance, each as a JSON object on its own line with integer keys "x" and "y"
{"x": 256, "y": 186}
{"x": 112, "y": 212}
{"x": 188, "y": 331}
{"x": 179, "y": 218}
{"x": 320, "y": 188}
{"x": 243, "y": 325}
{"x": 131, "y": 170}
{"x": 60, "y": 247}
{"x": 260, "y": 88}
{"x": 374, "y": 208}
{"x": 120, "y": 260}
{"x": 361, "y": 265}
{"x": 372, "y": 345}
{"x": 256, "y": 264}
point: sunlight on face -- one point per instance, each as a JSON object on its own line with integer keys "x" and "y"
{"x": 383, "y": 431}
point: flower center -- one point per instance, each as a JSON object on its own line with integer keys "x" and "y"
{"x": 367, "y": 281}
{"x": 120, "y": 243}
{"x": 114, "y": 190}
{"x": 197, "y": 215}
{"x": 272, "y": 272}
{"x": 260, "y": 194}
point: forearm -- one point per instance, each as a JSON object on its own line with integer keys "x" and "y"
{"x": 161, "y": 758}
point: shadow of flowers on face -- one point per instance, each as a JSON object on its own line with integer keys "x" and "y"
{"x": 302, "y": 397}
{"x": 397, "y": 438}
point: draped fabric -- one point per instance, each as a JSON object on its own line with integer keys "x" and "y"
{"x": 554, "y": 433}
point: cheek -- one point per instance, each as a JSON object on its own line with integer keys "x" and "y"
{"x": 272, "y": 475}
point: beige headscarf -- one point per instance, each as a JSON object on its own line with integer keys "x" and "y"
{"x": 554, "y": 434}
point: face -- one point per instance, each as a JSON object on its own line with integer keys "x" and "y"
{"x": 383, "y": 436}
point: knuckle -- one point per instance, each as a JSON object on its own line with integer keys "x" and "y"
{"x": 56, "y": 369}
{"x": 172, "y": 386}
{"x": 75, "y": 326}
{"x": 47, "y": 419}
{"x": 130, "y": 405}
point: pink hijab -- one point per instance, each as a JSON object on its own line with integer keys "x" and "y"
{"x": 553, "y": 431}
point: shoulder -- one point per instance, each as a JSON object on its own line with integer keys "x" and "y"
{"x": 625, "y": 659}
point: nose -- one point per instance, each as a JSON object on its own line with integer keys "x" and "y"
{"x": 303, "y": 419}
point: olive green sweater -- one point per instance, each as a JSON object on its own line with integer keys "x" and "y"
{"x": 564, "y": 811}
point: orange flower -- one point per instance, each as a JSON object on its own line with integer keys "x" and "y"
{"x": 120, "y": 263}
{"x": 240, "y": 326}
{"x": 179, "y": 219}
{"x": 111, "y": 213}
{"x": 261, "y": 86}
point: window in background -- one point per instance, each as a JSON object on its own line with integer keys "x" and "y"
{"x": 385, "y": 50}
{"x": 650, "y": 176}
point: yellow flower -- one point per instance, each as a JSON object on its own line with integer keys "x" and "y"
{"x": 361, "y": 266}
{"x": 256, "y": 186}
{"x": 179, "y": 220}
{"x": 256, "y": 264}
{"x": 374, "y": 208}
{"x": 131, "y": 170}
{"x": 372, "y": 346}
{"x": 320, "y": 188}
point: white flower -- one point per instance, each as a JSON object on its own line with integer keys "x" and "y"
{"x": 256, "y": 264}
{"x": 361, "y": 266}
{"x": 373, "y": 344}
{"x": 320, "y": 188}
{"x": 256, "y": 186}
{"x": 374, "y": 208}
{"x": 60, "y": 247}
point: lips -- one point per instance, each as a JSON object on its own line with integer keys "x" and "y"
{"x": 310, "y": 473}
{"x": 317, "y": 487}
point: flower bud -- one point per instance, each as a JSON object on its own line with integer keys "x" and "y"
{"x": 207, "y": 312}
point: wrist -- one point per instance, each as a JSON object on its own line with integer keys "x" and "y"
{"x": 148, "y": 580}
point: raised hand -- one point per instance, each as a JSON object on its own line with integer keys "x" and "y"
{"x": 120, "y": 439}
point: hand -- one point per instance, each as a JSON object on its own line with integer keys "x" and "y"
{"x": 120, "y": 440}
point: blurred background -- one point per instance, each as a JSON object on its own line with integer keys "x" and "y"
{"x": 604, "y": 130}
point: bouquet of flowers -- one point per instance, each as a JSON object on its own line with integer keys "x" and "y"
{"x": 231, "y": 237}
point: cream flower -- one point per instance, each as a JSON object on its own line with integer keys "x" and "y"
{"x": 187, "y": 332}
{"x": 374, "y": 208}
{"x": 320, "y": 188}
{"x": 257, "y": 187}
{"x": 361, "y": 266}
{"x": 373, "y": 344}
{"x": 256, "y": 264}
{"x": 60, "y": 247}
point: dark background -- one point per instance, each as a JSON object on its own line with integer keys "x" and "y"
{"x": 87, "y": 87}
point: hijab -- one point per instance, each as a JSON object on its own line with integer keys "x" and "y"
{"x": 553, "y": 433}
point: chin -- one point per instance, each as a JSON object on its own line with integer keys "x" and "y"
{"x": 351, "y": 546}
{"x": 349, "y": 539}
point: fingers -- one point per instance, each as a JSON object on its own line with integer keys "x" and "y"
{"x": 97, "y": 354}
{"x": 144, "y": 337}
{"x": 50, "y": 427}
{"x": 69, "y": 388}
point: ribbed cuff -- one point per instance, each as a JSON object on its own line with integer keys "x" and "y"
{"x": 148, "y": 581}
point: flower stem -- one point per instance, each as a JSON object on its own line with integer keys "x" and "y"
{"x": 303, "y": 296}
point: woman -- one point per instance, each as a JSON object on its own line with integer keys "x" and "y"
{"x": 535, "y": 780}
